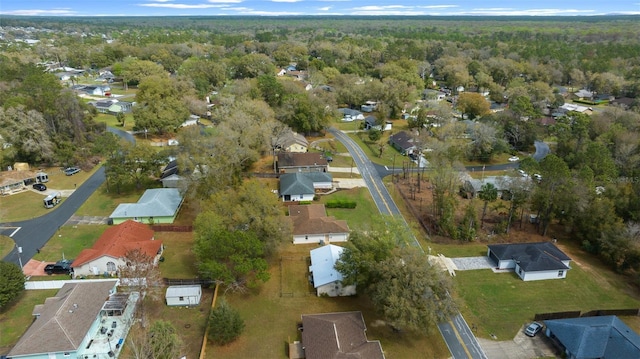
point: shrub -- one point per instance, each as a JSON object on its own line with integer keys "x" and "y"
{"x": 225, "y": 324}
{"x": 11, "y": 283}
{"x": 341, "y": 203}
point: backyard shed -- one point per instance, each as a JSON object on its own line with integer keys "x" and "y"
{"x": 183, "y": 295}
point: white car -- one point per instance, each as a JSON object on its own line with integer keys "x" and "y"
{"x": 514, "y": 159}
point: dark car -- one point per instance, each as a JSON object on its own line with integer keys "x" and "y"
{"x": 69, "y": 171}
{"x": 39, "y": 187}
{"x": 533, "y": 329}
{"x": 57, "y": 269}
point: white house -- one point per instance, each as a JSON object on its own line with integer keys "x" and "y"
{"x": 326, "y": 279}
{"x": 302, "y": 186}
{"x": 312, "y": 226}
{"x": 109, "y": 251}
{"x": 530, "y": 261}
{"x": 183, "y": 295}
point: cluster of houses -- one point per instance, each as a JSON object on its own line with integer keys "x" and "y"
{"x": 19, "y": 177}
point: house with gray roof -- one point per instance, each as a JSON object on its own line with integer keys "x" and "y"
{"x": 87, "y": 319}
{"x": 326, "y": 278}
{"x": 530, "y": 261}
{"x": 291, "y": 162}
{"x": 604, "y": 337}
{"x": 403, "y": 141}
{"x": 157, "y": 205}
{"x": 302, "y": 186}
{"x": 338, "y": 335}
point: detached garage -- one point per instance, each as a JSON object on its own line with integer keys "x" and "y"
{"x": 183, "y": 295}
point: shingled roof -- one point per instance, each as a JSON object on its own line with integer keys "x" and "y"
{"x": 292, "y": 159}
{"x": 116, "y": 241}
{"x": 539, "y": 256}
{"x": 596, "y": 337}
{"x": 155, "y": 202}
{"x": 338, "y": 335}
{"x": 65, "y": 319}
{"x": 312, "y": 219}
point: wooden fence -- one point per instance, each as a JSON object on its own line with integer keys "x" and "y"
{"x": 593, "y": 313}
{"x": 171, "y": 228}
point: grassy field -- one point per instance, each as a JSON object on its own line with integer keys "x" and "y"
{"x": 179, "y": 259}
{"x": 501, "y": 303}
{"x": 70, "y": 241}
{"x": 17, "y": 317}
{"x": 357, "y": 217}
{"x": 28, "y": 204}
{"x": 103, "y": 202}
{"x": 112, "y": 121}
{"x": 271, "y": 318}
{"x": 6, "y": 246}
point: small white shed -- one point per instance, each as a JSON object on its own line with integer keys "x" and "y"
{"x": 183, "y": 295}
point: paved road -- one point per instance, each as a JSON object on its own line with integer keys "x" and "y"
{"x": 33, "y": 234}
{"x": 370, "y": 174}
{"x": 456, "y": 333}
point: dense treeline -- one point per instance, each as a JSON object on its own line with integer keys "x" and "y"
{"x": 529, "y": 66}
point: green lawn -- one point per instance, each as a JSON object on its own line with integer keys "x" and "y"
{"x": 112, "y": 121}
{"x": 6, "y": 246}
{"x": 359, "y": 217}
{"x": 179, "y": 259}
{"x": 70, "y": 241}
{"x": 501, "y": 303}
{"x": 103, "y": 202}
{"x": 271, "y": 319}
{"x": 15, "y": 320}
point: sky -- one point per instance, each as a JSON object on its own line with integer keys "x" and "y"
{"x": 317, "y": 7}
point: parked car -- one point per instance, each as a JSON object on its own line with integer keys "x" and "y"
{"x": 69, "y": 171}
{"x": 39, "y": 187}
{"x": 533, "y": 329}
{"x": 57, "y": 269}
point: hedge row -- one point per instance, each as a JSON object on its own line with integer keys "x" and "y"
{"x": 340, "y": 203}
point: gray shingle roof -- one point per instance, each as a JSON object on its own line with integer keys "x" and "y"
{"x": 338, "y": 335}
{"x": 539, "y": 256}
{"x": 62, "y": 326}
{"x": 596, "y": 337}
{"x": 157, "y": 202}
{"x": 295, "y": 184}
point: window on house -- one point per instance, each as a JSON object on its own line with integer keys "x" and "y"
{"x": 560, "y": 273}
{"x": 181, "y": 299}
{"x": 111, "y": 267}
{"x": 306, "y": 237}
{"x": 520, "y": 271}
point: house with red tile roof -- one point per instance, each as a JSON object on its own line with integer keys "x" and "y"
{"x": 108, "y": 252}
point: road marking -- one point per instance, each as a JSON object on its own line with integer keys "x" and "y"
{"x": 14, "y": 232}
{"x": 464, "y": 346}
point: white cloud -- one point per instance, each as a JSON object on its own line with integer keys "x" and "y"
{"x": 161, "y": 0}
{"x": 224, "y": 1}
{"x": 182, "y": 6}
{"x": 528, "y": 12}
{"x": 437, "y": 6}
{"x": 286, "y": 1}
{"x": 38, "y": 12}
{"x": 326, "y": 8}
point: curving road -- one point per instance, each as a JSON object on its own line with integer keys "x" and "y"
{"x": 456, "y": 333}
{"x": 33, "y": 234}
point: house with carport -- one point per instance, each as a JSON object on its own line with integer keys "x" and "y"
{"x": 311, "y": 225}
{"x": 325, "y": 277}
{"x": 109, "y": 251}
{"x": 157, "y": 205}
{"x": 530, "y": 261}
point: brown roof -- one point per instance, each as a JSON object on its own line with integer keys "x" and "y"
{"x": 64, "y": 319}
{"x": 338, "y": 335}
{"x": 291, "y": 159}
{"x": 12, "y": 177}
{"x": 312, "y": 219}
{"x": 118, "y": 240}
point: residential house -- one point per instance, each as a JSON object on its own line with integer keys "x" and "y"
{"x": 113, "y": 106}
{"x": 302, "y": 186}
{"x": 584, "y": 94}
{"x": 371, "y": 122}
{"x": 170, "y": 176}
{"x": 568, "y": 107}
{"x": 158, "y": 205}
{"x": 351, "y": 114}
{"x": 109, "y": 251}
{"x": 193, "y": 120}
{"x": 604, "y": 337}
{"x": 294, "y": 142}
{"x": 338, "y": 335}
{"x": 429, "y": 94}
{"x": 369, "y": 106}
{"x": 625, "y": 102}
{"x": 290, "y": 162}
{"x": 530, "y": 261}
{"x": 472, "y": 187}
{"x": 326, "y": 279}
{"x": 16, "y": 179}
{"x": 403, "y": 141}
{"x": 100, "y": 90}
{"x": 183, "y": 295}
{"x": 86, "y": 319}
{"x": 311, "y": 225}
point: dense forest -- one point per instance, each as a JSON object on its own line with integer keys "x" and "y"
{"x": 180, "y": 66}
